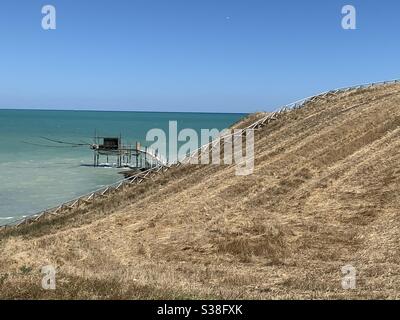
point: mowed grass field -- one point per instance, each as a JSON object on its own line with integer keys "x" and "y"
{"x": 324, "y": 194}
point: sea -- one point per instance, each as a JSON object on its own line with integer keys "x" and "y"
{"x": 45, "y": 156}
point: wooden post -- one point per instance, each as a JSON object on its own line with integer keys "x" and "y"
{"x": 137, "y": 153}
{"x": 145, "y": 156}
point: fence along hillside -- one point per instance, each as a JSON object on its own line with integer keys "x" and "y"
{"x": 141, "y": 177}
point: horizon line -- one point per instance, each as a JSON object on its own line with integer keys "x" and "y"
{"x": 133, "y": 111}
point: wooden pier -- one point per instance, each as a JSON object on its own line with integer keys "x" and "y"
{"x": 124, "y": 156}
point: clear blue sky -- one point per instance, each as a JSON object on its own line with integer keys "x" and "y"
{"x": 190, "y": 55}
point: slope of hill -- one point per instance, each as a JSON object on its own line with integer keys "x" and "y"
{"x": 324, "y": 194}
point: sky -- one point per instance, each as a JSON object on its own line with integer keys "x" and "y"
{"x": 190, "y": 55}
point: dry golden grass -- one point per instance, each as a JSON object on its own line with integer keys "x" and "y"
{"x": 324, "y": 194}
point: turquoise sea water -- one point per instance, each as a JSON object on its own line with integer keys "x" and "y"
{"x": 35, "y": 177}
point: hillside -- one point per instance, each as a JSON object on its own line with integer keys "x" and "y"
{"x": 324, "y": 194}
